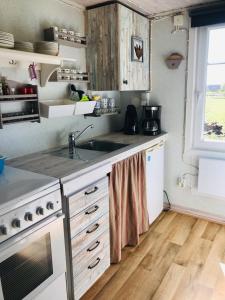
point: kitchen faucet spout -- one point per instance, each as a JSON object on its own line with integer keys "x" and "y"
{"x": 74, "y": 136}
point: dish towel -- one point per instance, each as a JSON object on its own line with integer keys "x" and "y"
{"x": 128, "y": 204}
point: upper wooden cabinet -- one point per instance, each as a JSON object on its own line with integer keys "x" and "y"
{"x": 110, "y": 31}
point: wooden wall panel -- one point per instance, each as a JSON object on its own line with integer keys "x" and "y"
{"x": 102, "y": 51}
{"x": 110, "y": 29}
{"x": 136, "y": 73}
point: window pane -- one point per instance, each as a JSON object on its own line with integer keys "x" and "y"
{"x": 214, "y": 125}
{"x": 216, "y": 45}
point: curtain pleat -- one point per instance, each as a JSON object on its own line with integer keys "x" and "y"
{"x": 128, "y": 204}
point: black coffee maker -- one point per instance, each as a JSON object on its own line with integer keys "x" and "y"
{"x": 151, "y": 120}
{"x": 131, "y": 121}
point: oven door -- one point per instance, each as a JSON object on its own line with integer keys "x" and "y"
{"x": 33, "y": 260}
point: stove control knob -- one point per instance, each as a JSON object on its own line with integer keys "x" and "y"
{"x": 40, "y": 211}
{"x": 16, "y": 223}
{"x": 50, "y": 206}
{"x": 3, "y": 230}
{"x": 28, "y": 217}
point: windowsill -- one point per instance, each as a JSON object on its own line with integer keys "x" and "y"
{"x": 195, "y": 152}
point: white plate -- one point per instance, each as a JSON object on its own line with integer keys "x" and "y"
{"x": 5, "y": 43}
{"x": 8, "y": 40}
{"x": 7, "y": 33}
{"x": 47, "y": 43}
{"x": 48, "y": 53}
{"x": 6, "y": 37}
{"x": 6, "y": 46}
{"x": 25, "y": 50}
{"x": 27, "y": 44}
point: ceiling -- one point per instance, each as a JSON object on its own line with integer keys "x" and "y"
{"x": 151, "y": 6}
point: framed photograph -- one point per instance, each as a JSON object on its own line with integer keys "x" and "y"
{"x": 137, "y": 49}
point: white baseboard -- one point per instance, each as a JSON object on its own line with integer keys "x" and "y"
{"x": 197, "y": 213}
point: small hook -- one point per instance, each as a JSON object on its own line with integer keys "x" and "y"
{"x": 12, "y": 62}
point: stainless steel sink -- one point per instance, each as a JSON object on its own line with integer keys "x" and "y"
{"x": 103, "y": 146}
{"x": 79, "y": 154}
{"x": 89, "y": 150}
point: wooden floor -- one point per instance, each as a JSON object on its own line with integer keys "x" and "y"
{"x": 180, "y": 258}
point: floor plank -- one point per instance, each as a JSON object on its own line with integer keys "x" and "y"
{"x": 179, "y": 258}
{"x": 169, "y": 283}
{"x": 211, "y": 231}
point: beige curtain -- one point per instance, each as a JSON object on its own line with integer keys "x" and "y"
{"x": 128, "y": 204}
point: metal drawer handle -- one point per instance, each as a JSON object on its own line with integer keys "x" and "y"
{"x": 93, "y": 191}
{"x": 95, "y": 227}
{"x": 91, "y": 211}
{"x": 95, "y": 264}
{"x": 94, "y": 247}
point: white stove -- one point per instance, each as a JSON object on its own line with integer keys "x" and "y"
{"x": 32, "y": 247}
{"x": 26, "y": 198}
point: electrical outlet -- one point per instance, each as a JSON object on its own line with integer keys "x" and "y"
{"x": 181, "y": 182}
{"x": 178, "y": 20}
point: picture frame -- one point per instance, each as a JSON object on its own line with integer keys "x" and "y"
{"x": 137, "y": 49}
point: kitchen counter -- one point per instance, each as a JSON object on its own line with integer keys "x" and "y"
{"x": 18, "y": 186}
{"x": 66, "y": 169}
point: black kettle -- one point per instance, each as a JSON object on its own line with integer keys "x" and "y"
{"x": 131, "y": 121}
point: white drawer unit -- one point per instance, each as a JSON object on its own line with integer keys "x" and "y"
{"x": 87, "y": 236}
{"x": 83, "y": 258}
{"x": 86, "y": 217}
{"x": 96, "y": 267}
{"x": 88, "y": 196}
{"x": 87, "y": 228}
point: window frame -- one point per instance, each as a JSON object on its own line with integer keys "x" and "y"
{"x": 196, "y": 92}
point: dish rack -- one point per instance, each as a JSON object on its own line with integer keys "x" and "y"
{"x": 19, "y": 108}
{"x": 98, "y": 112}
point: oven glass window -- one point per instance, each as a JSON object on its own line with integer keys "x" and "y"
{"x": 26, "y": 270}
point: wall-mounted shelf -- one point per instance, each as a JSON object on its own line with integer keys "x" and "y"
{"x": 27, "y": 108}
{"x": 65, "y": 107}
{"x": 71, "y": 44}
{"x": 8, "y": 117}
{"x": 49, "y": 63}
{"x": 53, "y": 34}
{"x": 16, "y": 55}
{"x": 97, "y": 113}
{"x": 70, "y": 81}
{"x": 18, "y": 98}
{"x": 71, "y": 76}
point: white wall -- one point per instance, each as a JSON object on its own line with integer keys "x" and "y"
{"x": 169, "y": 91}
{"x": 26, "y": 20}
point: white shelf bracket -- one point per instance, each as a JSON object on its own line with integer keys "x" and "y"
{"x": 46, "y": 72}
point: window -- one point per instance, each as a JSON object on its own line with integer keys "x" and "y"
{"x": 209, "y": 112}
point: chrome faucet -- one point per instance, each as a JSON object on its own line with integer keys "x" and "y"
{"x": 74, "y": 136}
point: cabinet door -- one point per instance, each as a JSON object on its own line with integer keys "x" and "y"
{"x": 102, "y": 50}
{"x": 133, "y": 75}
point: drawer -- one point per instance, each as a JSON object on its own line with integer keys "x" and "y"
{"x": 83, "y": 258}
{"x": 88, "y": 216}
{"x": 85, "y": 178}
{"x": 88, "y": 196}
{"x": 91, "y": 273}
{"x": 90, "y": 234}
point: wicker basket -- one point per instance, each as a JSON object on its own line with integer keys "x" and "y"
{"x": 173, "y": 61}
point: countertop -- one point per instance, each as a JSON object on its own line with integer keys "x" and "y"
{"x": 18, "y": 186}
{"x": 66, "y": 169}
